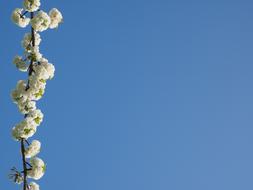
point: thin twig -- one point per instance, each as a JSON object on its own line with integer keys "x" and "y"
{"x": 27, "y": 142}
{"x": 24, "y": 14}
{"x": 28, "y": 164}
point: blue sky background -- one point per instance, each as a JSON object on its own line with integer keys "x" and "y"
{"x": 148, "y": 95}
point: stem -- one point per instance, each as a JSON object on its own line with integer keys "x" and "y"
{"x": 27, "y": 142}
{"x": 28, "y": 164}
{"x": 24, "y": 14}
{"x": 24, "y": 163}
{"x": 23, "y": 141}
{"x": 30, "y": 70}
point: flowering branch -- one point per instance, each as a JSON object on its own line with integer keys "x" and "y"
{"x": 28, "y": 92}
{"x": 30, "y": 69}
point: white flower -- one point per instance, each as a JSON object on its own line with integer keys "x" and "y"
{"x": 27, "y": 106}
{"x": 38, "y": 168}
{"x": 31, "y": 5}
{"x": 27, "y": 41}
{"x": 33, "y": 149}
{"x": 38, "y": 95}
{"x": 32, "y": 52}
{"x": 56, "y": 18}
{"x": 24, "y": 97}
{"x": 44, "y": 70}
{"x": 21, "y": 85}
{"x": 18, "y": 94}
{"x": 20, "y": 63}
{"x": 18, "y": 19}
{"x": 35, "y": 53}
{"x": 41, "y": 21}
{"x": 24, "y": 129}
{"x": 35, "y": 83}
{"x": 34, "y": 186}
{"x": 36, "y": 116}
{"x": 37, "y": 89}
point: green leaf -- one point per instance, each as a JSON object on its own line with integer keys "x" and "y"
{"x": 42, "y": 80}
{"x": 37, "y": 120}
{"x": 27, "y": 131}
{"x": 44, "y": 168}
{"x": 39, "y": 94}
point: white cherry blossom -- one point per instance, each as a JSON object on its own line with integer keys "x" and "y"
{"x": 19, "y": 19}
{"x": 33, "y": 149}
{"x": 56, "y": 18}
{"x": 31, "y": 5}
{"x": 38, "y": 168}
{"x": 41, "y": 21}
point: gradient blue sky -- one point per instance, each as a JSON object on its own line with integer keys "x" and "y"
{"x": 148, "y": 95}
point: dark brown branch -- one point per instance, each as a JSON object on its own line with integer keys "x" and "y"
{"x": 23, "y": 141}
{"x": 24, "y": 163}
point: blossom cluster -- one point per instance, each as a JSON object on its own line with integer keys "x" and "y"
{"x": 27, "y": 92}
{"x": 42, "y": 21}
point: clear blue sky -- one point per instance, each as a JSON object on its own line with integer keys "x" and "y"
{"x": 148, "y": 95}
